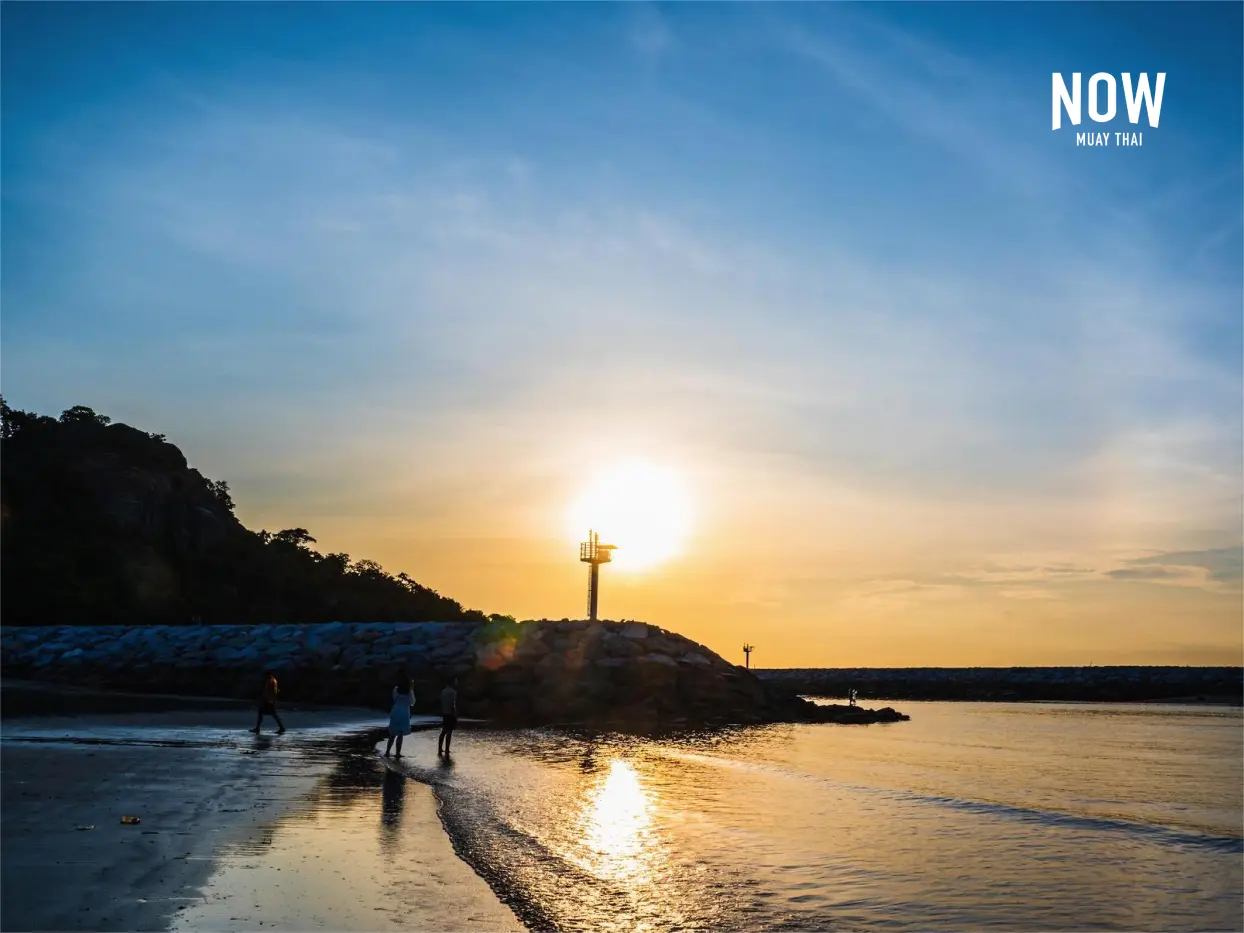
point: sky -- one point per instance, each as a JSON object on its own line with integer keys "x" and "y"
{"x": 938, "y": 386}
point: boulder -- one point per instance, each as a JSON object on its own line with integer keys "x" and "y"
{"x": 659, "y": 660}
{"x": 619, "y": 646}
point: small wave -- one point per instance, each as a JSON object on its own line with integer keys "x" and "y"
{"x": 196, "y": 742}
{"x": 1156, "y": 832}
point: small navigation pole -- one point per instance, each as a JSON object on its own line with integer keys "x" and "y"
{"x": 747, "y": 654}
{"x": 594, "y": 553}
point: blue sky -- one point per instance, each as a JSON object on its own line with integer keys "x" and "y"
{"x": 391, "y": 269}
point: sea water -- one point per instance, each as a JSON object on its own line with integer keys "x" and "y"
{"x": 1021, "y": 816}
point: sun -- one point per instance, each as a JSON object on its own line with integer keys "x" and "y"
{"x": 642, "y": 508}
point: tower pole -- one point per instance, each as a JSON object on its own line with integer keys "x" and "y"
{"x": 594, "y": 553}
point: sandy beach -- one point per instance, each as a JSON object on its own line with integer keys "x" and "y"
{"x": 301, "y": 831}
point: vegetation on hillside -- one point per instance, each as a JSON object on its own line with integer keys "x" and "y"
{"x": 104, "y": 523}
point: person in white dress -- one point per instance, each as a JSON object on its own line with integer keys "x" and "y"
{"x": 403, "y": 703}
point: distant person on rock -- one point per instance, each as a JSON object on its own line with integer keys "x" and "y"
{"x": 851, "y": 697}
{"x": 403, "y": 703}
{"x": 267, "y": 703}
{"x": 449, "y": 717}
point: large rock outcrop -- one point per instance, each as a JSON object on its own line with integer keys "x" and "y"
{"x": 626, "y": 675}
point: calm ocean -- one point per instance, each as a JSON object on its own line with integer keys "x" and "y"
{"x": 971, "y": 816}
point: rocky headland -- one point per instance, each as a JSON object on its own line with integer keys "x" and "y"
{"x": 624, "y": 675}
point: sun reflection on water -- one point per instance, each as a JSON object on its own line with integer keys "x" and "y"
{"x": 616, "y": 819}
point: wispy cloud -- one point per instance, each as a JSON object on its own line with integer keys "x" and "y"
{"x": 929, "y": 92}
{"x": 651, "y": 32}
{"x": 855, "y": 367}
{"x": 1181, "y": 575}
{"x": 1223, "y": 566}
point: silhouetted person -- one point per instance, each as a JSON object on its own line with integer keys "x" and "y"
{"x": 403, "y": 698}
{"x": 449, "y": 716}
{"x": 267, "y": 703}
{"x": 851, "y": 697}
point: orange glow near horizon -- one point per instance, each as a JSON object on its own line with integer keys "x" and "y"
{"x": 815, "y": 571}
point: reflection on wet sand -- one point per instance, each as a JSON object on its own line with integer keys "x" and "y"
{"x": 605, "y": 862}
{"x": 391, "y": 810}
{"x": 363, "y": 850}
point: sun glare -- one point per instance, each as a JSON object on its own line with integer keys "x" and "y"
{"x": 641, "y": 508}
{"x": 617, "y": 819}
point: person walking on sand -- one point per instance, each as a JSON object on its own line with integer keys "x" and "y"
{"x": 267, "y": 703}
{"x": 449, "y": 717}
{"x": 403, "y": 699}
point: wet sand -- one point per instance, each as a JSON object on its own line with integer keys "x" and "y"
{"x": 302, "y": 831}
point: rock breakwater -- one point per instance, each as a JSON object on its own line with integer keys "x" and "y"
{"x": 624, "y": 675}
{"x": 1135, "y": 684}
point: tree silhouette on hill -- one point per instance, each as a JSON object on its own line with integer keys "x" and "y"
{"x": 104, "y": 523}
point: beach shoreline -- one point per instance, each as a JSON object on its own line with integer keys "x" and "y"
{"x": 214, "y": 803}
